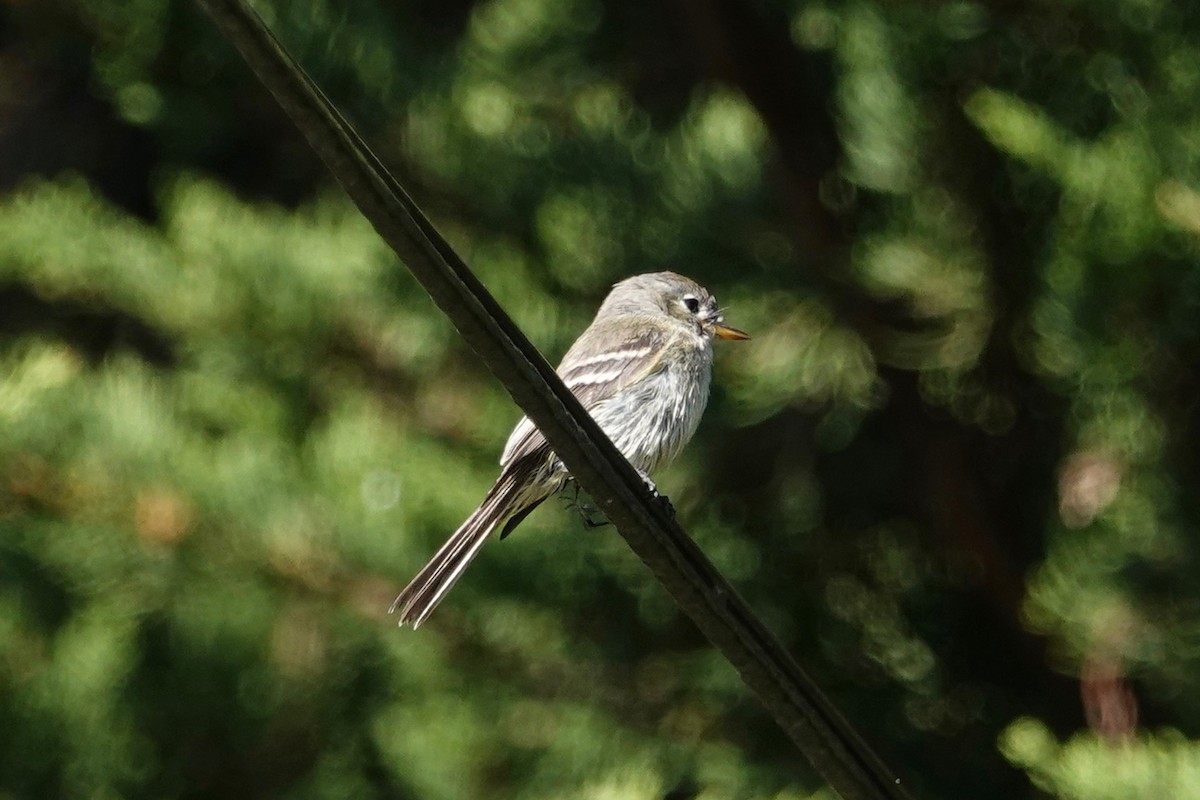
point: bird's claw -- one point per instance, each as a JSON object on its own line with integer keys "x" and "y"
{"x": 662, "y": 499}
{"x": 591, "y": 516}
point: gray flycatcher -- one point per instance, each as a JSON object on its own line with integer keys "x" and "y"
{"x": 642, "y": 370}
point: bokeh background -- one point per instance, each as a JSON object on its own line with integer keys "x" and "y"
{"x": 955, "y": 470}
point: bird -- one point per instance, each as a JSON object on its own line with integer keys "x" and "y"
{"x": 642, "y": 369}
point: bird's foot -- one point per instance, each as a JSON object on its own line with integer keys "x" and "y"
{"x": 591, "y": 516}
{"x": 662, "y": 499}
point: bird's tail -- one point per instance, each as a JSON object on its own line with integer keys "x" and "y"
{"x": 426, "y": 590}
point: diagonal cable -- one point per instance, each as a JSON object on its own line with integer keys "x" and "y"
{"x": 820, "y": 732}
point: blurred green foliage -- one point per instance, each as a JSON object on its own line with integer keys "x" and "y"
{"x": 954, "y": 470}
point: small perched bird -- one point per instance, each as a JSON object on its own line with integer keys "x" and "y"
{"x": 641, "y": 369}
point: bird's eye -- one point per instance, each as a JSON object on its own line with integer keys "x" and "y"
{"x": 693, "y": 305}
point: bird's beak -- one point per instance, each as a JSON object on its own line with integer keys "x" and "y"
{"x": 723, "y": 331}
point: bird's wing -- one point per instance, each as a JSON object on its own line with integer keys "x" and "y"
{"x": 595, "y": 375}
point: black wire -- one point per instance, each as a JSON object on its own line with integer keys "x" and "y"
{"x": 837, "y": 752}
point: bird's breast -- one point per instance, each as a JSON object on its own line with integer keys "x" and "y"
{"x": 651, "y": 421}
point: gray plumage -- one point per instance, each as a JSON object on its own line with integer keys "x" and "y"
{"x": 642, "y": 370}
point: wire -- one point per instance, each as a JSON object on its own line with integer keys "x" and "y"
{"x": 837, "y": 752}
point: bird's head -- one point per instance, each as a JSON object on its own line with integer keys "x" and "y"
{"x": 676, "y": 296}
